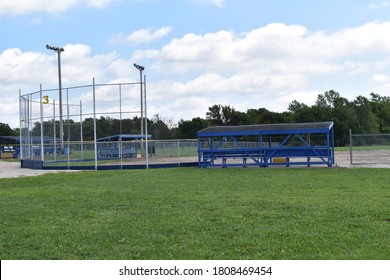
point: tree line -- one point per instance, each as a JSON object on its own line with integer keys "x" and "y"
{"x": 362, "y": 115}
{"x": 6, "y": 130}
{"x": 158, "y": 127}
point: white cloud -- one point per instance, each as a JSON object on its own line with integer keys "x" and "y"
{"x": 147, "y": 54}
{"x": 225, "y": 50}
{"x": 380, "y": 78}
{"x": 21, "y": 67}
{"x": 382, "y": 4}
{"x": 218, "y": 3}
{"x": 97, "y": 3}
{"x": 275, "y": 47}
{"x": 273, "y": 65}
{"x": 79, "y": 65}
{"x": 18, "y": 7}
{"x": 183, "y": 108}
{"x": 242, "y": 84}
{"x": 266, "y": 67}
{"x": 27, "y": 70}
{"x": 142, "y": 36}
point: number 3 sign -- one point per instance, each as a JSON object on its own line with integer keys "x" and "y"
{"x": 45, "y": 99}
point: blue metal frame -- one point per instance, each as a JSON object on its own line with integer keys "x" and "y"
{"x": 228, "y": 148}
{"x": 109, "y": 147}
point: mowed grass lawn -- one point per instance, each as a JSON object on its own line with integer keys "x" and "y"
{"x": 190, "y": 213}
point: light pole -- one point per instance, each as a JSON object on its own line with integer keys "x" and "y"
{"x": 141, "y": 68}
{"x": 58, "y": 51}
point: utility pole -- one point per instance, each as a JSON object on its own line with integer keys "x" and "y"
{"x": 141, "y": 68}
{"x": 58, "y": 50}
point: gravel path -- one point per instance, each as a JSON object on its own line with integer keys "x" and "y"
{"x": 13, "y": 170}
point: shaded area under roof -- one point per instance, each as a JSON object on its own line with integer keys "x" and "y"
{"x": 264, "y": 128}
{"x": 9, "y": 139}
{"x": 33, "y": 139}
{"x": 124, "y": 137}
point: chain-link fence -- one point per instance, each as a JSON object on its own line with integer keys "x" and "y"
{"x": 369, "y": 149}
{"x": 123, "y": 154}
{"x": 93, "y": 125}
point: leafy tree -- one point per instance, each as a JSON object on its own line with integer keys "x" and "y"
{"x": 331, "y": 99}
{"x": 296, "y": 106}
{"x": 6, "y": 130}
{"x": 333, "y": 107}
{"x": 264, "y": 116}
{"x": 162, "y": 128}
{"x": 368, "y": 122}
{"x": 381, "y": 109}
{"x": 308, "y": 114}
{"x": 214, "y": 115}
{"x": 226, "y": 115}
{"x": 189, "y": 129}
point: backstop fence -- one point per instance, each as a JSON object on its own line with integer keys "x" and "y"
{"x": 96, "y": 126}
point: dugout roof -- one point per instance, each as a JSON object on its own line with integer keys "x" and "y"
{"x": 16, "y": 139}
{"x": 9, "y": 139}
{"x": 280, "y": 128}
{"x": 123, "y": 137}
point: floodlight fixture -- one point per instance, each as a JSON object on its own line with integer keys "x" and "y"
{"x": 139, "y": 67}
{"x": 57, "y": 49}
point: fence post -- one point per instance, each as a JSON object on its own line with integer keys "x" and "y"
{"x": 54, "y": 130}
{"x": 178, "y": 152}
{"x": 68, "y": 124}
{"x": 146, "y": 126}
{"x": 81, "y": 130}
{"x": 21, "y": 140}
{"x": 94, "y": 124}
{"x": 41, "y": 118}
{"x": 350, "y": 146}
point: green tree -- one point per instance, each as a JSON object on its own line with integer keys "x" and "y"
{"x": 162, "y": 128}
{"x": 189, "y": 129}
{"x": 226, "y": 115}
{"x": 296, "y": 106}
{"x": 333, "y": 107}
{"x": 368, "y": 122}
{"x": 264, "y": 116}
{"x": 6, "y": 130}
{"x": 214, "y": 115}
{"x": 381, "y": 109}
{"x": 309, "y": 114}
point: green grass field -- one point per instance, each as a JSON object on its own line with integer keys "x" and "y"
{"x": 190, "y": 213}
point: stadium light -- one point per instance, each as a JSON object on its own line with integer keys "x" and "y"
{"x": 141, "y": 68}
{"x": 58, "y": 50}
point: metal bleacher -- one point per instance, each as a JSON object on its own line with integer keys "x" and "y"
{"x": 264, "y": 145}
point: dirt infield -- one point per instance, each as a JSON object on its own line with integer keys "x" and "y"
{"x": 13, "y": 170}
{"x": 372, "y": 159}
{"x": 364, "y": 158}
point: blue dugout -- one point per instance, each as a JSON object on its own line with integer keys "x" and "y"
{"x": 266, "y": 145}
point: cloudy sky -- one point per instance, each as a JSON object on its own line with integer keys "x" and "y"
{"x": 197, "y": 53}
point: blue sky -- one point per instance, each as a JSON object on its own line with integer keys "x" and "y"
{"x": 197, "y": 53}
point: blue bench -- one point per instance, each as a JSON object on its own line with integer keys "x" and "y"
{"x": 113, "y": 152}
{"x": 268, "y": 156}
